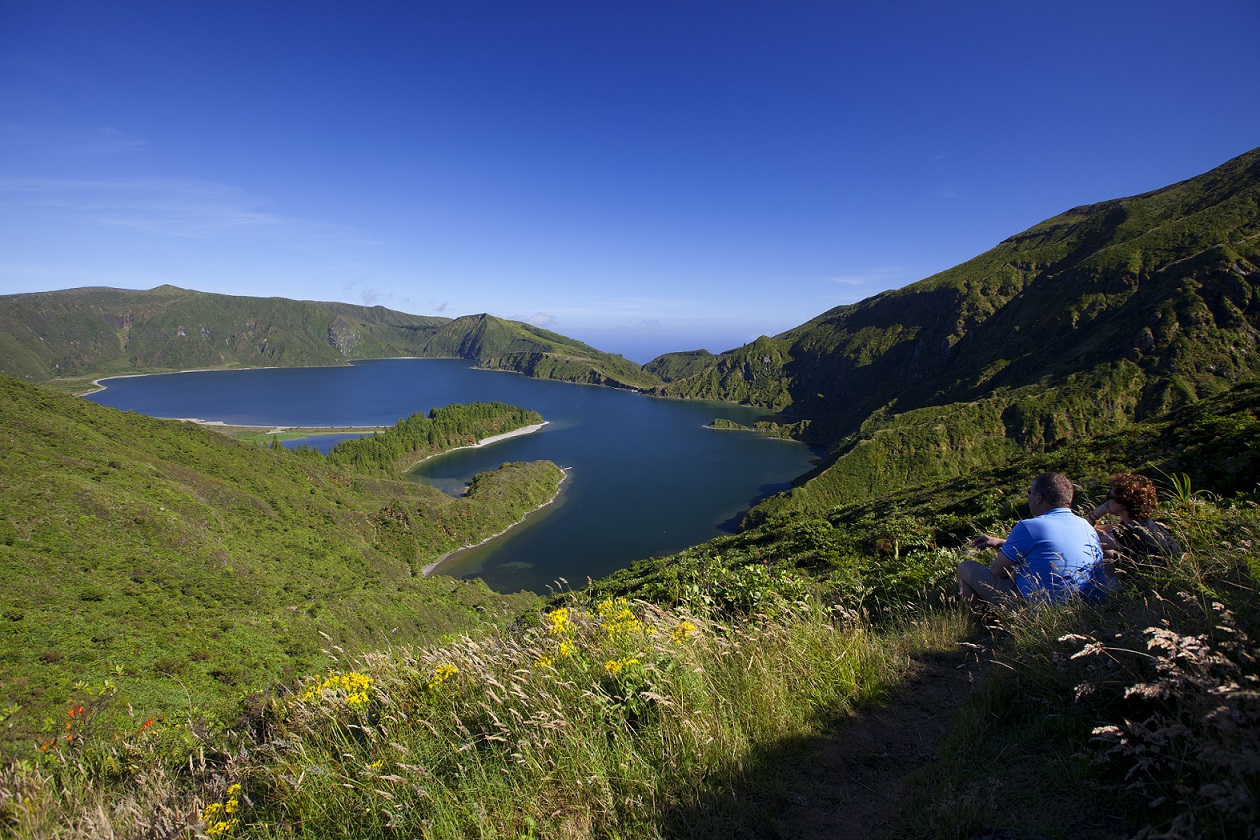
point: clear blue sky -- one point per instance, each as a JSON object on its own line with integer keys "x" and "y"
{"x": 644, "y": 176}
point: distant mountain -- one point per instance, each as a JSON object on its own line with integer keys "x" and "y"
{"x": 95, "y": 331}
{"x": 1102, "y": 315}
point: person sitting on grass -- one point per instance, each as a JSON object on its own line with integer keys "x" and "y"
{"x": 1136, "y": 537}
{"x": 1051, "y": 557}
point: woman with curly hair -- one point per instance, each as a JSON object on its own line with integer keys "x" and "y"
{"x": 1136, "y": 537}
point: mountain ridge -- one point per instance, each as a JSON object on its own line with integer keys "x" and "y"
{"x": 100, "y": 331}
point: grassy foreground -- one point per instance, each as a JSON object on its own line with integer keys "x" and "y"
{"x": 597, "y": 720}
{"x": 617, "y": 718}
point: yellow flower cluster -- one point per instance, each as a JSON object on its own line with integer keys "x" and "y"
{"x": 613, "y": 667}
{"x": 218, "y": 815}
{"x": 684, "y": 630}
{"x": 618, "y": 620}
{"x": 355, "y": 686}
{"x": 564, "y": 649}
{"x": 561, "y": 621}
{"x": 441, "y": 674}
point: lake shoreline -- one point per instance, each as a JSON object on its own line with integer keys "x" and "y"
{"x": 431, "y": 568}
{"x": 637, "y": 460}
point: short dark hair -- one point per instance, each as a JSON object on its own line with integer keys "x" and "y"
{"x": 1055, "y": 488}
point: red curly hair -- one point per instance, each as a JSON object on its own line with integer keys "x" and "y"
{"x": 1136, "y": 493}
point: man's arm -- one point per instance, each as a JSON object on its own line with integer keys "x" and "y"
{"x": 1003, "y": 566}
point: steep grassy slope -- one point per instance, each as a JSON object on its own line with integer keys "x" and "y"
{"x": 513, "y": 346}
{"x": 98, "y": 331}
{"x": 191, "y": 568}
{"x": 1090, "y": 320}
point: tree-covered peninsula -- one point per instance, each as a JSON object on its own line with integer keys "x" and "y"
{"x": 412, "y": 439}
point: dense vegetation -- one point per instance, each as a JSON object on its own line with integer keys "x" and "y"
{"x": 419, "y": 436}
{"x": 93, "y": 332}
{"x": 602, "y": 716}
{"x": 191, "y": 570}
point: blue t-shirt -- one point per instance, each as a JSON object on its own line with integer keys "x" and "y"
{"x": 1056, "y": 556}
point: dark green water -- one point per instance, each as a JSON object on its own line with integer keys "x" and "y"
{"x": 645, "y": 477}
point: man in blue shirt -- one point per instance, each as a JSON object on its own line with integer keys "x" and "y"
{"x": 1052, "y": 557}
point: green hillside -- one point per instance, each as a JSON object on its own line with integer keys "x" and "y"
{"x": 98, "y": 331}
{"x": 1095, "y": 318}
{"x": 193, "y": 569}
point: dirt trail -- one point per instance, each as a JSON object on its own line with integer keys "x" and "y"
{"x": 849, "y": 787}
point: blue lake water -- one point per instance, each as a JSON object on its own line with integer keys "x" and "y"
{"x": 645, "y": 477}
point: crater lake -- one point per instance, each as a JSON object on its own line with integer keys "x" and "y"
{"x": 645, "y": 477}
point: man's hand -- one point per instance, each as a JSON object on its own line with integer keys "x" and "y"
{"x": 982, "y": 541}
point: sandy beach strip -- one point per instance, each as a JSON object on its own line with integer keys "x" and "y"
{"x": 524, "y": 430}
{"x": 432, "y": 567}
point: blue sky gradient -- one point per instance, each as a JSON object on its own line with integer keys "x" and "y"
{"x": 646, "y": 177}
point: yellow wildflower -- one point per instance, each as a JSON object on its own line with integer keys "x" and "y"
{"x": 561, "y": 621}
{"x": 566, "y": 648}
{"x": 618, "y": 619}
{"x": 684, "y": 630}
{"x": 221, "y": 828}
{"x": 545, "y": 662}
{"x": 353, "y": 684}
{"x": 442, "y": 673}
{"x": 614, "y": 666}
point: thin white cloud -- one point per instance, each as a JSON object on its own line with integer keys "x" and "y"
{"x": 102, "y": 140}
{"x": 870, "y": 276}
{"x": 543, "y": 319}
{"x": 182, "y": 208}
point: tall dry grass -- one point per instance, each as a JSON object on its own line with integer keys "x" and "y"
{"x": 595, "y": 720}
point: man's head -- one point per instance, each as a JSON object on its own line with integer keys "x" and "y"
{"x": 1049, "y": 490}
